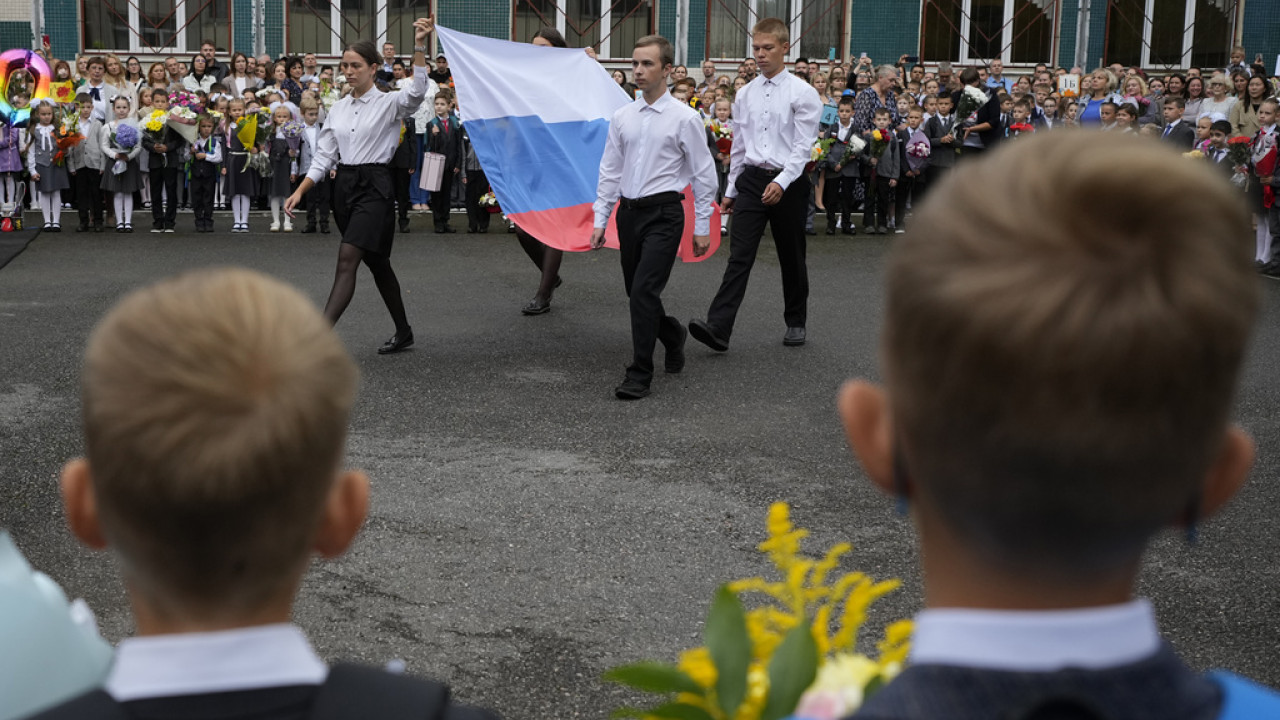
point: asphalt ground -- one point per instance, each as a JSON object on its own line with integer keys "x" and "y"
{"x": 528, "y": 530}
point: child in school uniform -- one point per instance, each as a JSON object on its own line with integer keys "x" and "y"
{"x": 1038, "y": 451}
{"x": 242, "y": 184}
{"x": 477, "y": 186}
{"x": 881, "y": 175}
{"x": 86, "y": 162}
{"x": 47, "y": 171}
{"x": 940, "y": 129}
{"x": 911, "y": 169}
{"x": 284, "y": 167}
{"x": 11, "y": 157}
{"x": 318, "y": 199}
{"x": 445, "y": 137}
{"x": 254, "y": 486}
{"x": 124, "y": 179}
{"x": 841, "y": 171}
{"x": 206, "y": 171}
{"x": 164, "y": 163}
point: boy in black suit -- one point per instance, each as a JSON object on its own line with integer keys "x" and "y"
{"x": 215, "y": 414}
{"x": 940, "y": 129}
{"x": 1040, "y": 450}
{"x": 206, "y": 170}
{"x": 841, "y": 170}
{"x": 445, "y": 138}
{"x": 1176, "y": 131}
{"x": 163, "y": 166}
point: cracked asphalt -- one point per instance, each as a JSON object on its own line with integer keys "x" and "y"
{"x": 528, "y": 531}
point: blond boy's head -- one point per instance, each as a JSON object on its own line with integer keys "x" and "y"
{"x": 1061, "y": 349}
{"x": 215, "y": 414}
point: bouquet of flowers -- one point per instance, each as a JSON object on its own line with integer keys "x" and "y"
{"x": 1017, "y": 129}
{"x": 184, "y": 121}
{"x": 67, "y": 135}
{"x": 793, "y": 657}
{"x": 1264, "y": 161}
{"x": 852, "y": 149}
{"x": 1193, "y": 155}
{"x": 818, "y": 153}
{"x": 123, "y": 138}
{"x": 918, "y": 151}
{"x": 293, "y": 135}
{"x": 879, "y": 141}
{"x": 723, "y": 133}
{"x": 971, "y": 101}
{"x": 253, "y": 131}
{"x": 489, "y": 201}
{"x": 184, "y": 99}
{"x": 328, "y": 94}
{"x": 1238, "y": 153}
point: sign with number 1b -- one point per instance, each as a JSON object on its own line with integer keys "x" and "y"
{"x": 1069, "y": 85}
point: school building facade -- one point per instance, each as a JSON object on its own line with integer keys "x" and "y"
{"x": 1156, "y": 34}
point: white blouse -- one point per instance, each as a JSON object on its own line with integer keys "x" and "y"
{"x": 366, "y": 130}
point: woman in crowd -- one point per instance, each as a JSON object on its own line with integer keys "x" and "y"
{"x": 363, "y": 136}
{"x": 115, "y": 74}
{"x": 133, "y": 74}
{"x": 292, "y": 83}
{"x": 1096, "y": 88}
{"x": 1220, "y": 100}
{"x": 199, "y": 79}
{"x": 1195, "y": 98}
{"x": 878, "y": 95}
{"x": 1244, "y": 114}
{"x": 1136, "y": 92}
{"x": 1239, "y": 83}
{"x": 819, "y": 82}
{"x": 238, "y": 76}
{"x": 156, "y": 76}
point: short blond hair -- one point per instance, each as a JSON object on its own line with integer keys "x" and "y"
{"x": 1061, "y": 383}
{"x": 215, "y": 415}
{"x": 775, "y": 27}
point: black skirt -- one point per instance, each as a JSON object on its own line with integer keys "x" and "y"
{"x": 364, "y": 207}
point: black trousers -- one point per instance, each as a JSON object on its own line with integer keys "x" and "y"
{"x": 87, "y": 183}
{"x": 837, "y": 196}
{"x": 908, "y": 187}
{"x": 164, "y": 180}
{"x": 786, "y": 220}
{"x": 877, "y": 205}
{"x": 477, "y": 186}
{"x": 402, "y": 178}
{"x": 440, "y": 199}
{"x": 649, "y": 239}
{"x": 319, "y": 201}
{"x": 202, "y": 199}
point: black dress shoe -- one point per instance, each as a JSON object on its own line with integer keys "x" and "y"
{"x": 97, "y": 227}
{"x": 831, "y": 229}
{"x": 793, "y": 337}
{"x": 448, "y": 229}
{"x": 404, "y": 225}
{"x": 705, "y": 334}
{"x": 536, "y": 307}
{"x": 82, "y": 227}
{"x": 308, "y": 229}
{"x": 675, "y": 354}
{"x": 631, "y": 390}
{"x": 397, "y": 343}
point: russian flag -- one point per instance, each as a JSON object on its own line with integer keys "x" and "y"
{"x": 538, "y": 118}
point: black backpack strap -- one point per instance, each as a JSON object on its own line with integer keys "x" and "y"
{"x": 94, "y": 705}
{"x": 356, "y": 691}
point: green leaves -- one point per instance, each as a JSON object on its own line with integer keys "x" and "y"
{"x": 653, "y": 677}
{"x": 730, "y": 649}
{"x": 791, "y": 671}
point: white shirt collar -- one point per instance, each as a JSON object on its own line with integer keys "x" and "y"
{"x": 777, "y": 79}
{"x": 658, "y": 105}
{"x": 1036, "y": 641}
{"x": 197, "y": 663}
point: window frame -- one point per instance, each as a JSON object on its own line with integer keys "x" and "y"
{"x": 604, "y": 20}
{"x": 795, "y": 26}
{"x": 1007, "y": 34}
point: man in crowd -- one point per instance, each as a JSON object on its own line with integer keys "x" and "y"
{"x": 211, "y": 64}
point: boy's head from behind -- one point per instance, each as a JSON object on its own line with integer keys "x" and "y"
{"x": 215, "y": 415}
{"x": 1056, "y": 394}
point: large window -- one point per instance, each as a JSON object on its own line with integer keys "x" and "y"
{"x": 1169, "y": 33}
{"x": 817, "y": 26}
{"x": 971, "y": 31}
{"x": 609, "y": 26}
{"x": 311, "y": 27}
{"x": 149, "y": 26}
{"x": 400, "y": 17}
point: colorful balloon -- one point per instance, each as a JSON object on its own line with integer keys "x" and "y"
{"x": 11, "y": 62}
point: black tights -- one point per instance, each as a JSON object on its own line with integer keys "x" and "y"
{"x": 546, "y": 258}
{"x": 344, "y": 285}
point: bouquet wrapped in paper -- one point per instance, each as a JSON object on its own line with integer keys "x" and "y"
{"x": 184, "y": 99}
{"x": 795, "y": 655}
{"x": 818, "y": 153}
{"x": 293, "y": 135}
{"x": 124, "y": 138}
{"x": 185, "y": 122}
{"x": 67, "y": 135}
{"x": 1239, "y": 150}
{"x": 918, "y": 151}
{"x": 723, "y": 133}
{"x": 971, "y": 101}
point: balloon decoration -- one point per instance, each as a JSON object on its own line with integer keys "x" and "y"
{"x": 11, "y": 63}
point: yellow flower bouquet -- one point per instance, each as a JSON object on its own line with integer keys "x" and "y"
{"x": 794, "y": 656}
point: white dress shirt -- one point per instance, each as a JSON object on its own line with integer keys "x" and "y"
{"x": 1036, "y": 641}
{"x": 204, "y": 663}
{"x": 654, "y": 149}
{"x": 366, "y": 129}
{"x": 775, "y": 123}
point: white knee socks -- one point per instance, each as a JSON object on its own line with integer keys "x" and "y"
{"x": 123, "y": 203}
{"x": 275, "y": 210}
{"x": 50, "y": 207}
{"x": 240, "y": 209}
{"x": 9, "y": 187}
{"x": 1262, "y": 240}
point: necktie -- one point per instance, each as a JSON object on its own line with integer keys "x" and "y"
{"x": 94, "y": 93}
{"x": 1167, "y": 131}
{"x": 445, "y": 122}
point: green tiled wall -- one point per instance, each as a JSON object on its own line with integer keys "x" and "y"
{"x": 1262, "y": 31}
{"x": 15, "y": 34}
{"x": 490, "y": 18}
{"x": 885, "y": 29}
{"x": 62, "y": 23}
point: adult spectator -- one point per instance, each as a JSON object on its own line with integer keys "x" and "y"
{"x": 1220, "y": 101}
{"x": 157, "y": 76}
{"x": 802, "y": 68}
{"x": 173, "y": 75}
{"x": 133, "y": 74}
{"x": 442, "y": 74}
{"x": 982, "y": 129}
{"x": 1195, "y": 97}
{"x": 115, "y": 74}
{"x": 1096, "y": 88}
{"x": 995, "y": 76}
{"x": 211, "y": 64}
{"x": 240, "y": 77}
{"x": 946, "y": 79}
{"x": 200, "y": 79}
{"x": 708, "y": 75}
{"x": 1244, "y": 115}
{"x": 917, "y": 73}
{"x": 879, "y": 95}
{"x": 1149, "y": 106}
{"x": 292, "y": 83}
{"x": 310, "y": 69}
{"x": 98, "y": 88}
